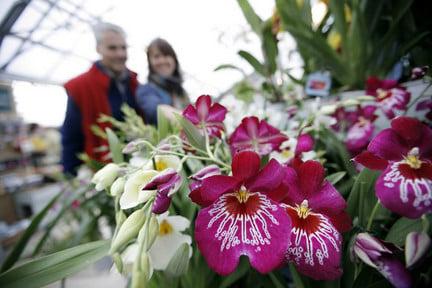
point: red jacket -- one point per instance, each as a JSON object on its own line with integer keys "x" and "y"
{"x": 89, "y": 91}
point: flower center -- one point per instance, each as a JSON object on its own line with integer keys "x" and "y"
{"x": 287, "y": 153}
{"x": 242, "y": 195}
{"x": 413, "y": 159}
{"x": 381, "y": 93}
{"x": 161, "y": 165}
{"x": 303, "y": 210}
{"x": 362, "y": 121}
{"x": 165, "y": 228}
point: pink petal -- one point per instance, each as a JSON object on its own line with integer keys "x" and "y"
{"x": 289, "y": 191}
{"x": 342, "y": 221}
{"x": 409, "y": 129}
{"x": 358, "y": 136}
{"x": 305, "y": 143}
{"x": 372, "y": 84}
{"x": 191, "y": 114}
{"x": 267, "y": 179}
{"x": 404, "y": 190}
{"x": 388, "y": 145}
{"x": 315, "y": 246}
{"x": 371, "y": 161}
{"x": 327, "y": 200}
{"x": 228, "y": 229}
{"x": 424, "y": 105}
{"x": 217, "y": 113}
{"x": 203, "y": 106}
{"x": 388, "y": 84}
{"x": 245, "y": 164}
{"x": 394, "y": 271}
{"x": 311, "y": 176}
{"x": 214, "y": 186}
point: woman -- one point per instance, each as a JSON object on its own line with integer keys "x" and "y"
{"x": 164, "y": 85}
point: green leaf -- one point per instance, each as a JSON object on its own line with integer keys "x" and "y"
{"x": 270, "y": 49}
{"x": 195, "y": 138}
{"x": 277, "y": 283}
{"x": 259, "y": 68}
{"x": 54, "y": 267}
{"x": 362, "y": 197}
{"x": 179, "y": 263}
{"x": 163, "y": 125}
{"x": 115, "y": 146}
{"x": 298, "y": 282}
{"x": 401, "y": 228}
{"x": 229, "y": 66}
{"x": 336, "y": 177}
{"x": 241, "y": 270}
{"x": 244, "y": 91}
{"x": 22, "y": 243}
{"x": 253, "y": 19}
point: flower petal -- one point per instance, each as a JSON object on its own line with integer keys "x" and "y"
{"x": 217, "y": 113}
{"x": 416, "y": 247}
{"x": 267, "y": 179}
{"x": 311, "y": 176}
{"x": 371, "y": 161}
{"x": 410, "y": 129}
{"x": 164, "y": 248}
{"x": 203, "y": 106}
{"x": 245, "y": 164}
{"x": 227, "y": 229}
{"x": 214, "y": 186}
{"x": 405, "y": 190}
{"x": 131, "y": 195}
{"x": 305, "y": 143}
{"x": 388, "y": 145}
{"x": 191, "y": 114}
{"x": 394, "y": 271}
{"x": 315, "y": 246}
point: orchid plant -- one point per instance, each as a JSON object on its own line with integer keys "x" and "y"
{"x": 315, "y": 201}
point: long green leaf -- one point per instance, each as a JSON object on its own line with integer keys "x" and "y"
{"x": 241, "y": 270}
{"x": 163, "y": 124}
{"x": 54, "y": 267}
{"x": 22, "y": 243}
{"x": 253, "y": 19}
{"x": 115, "y": 146}
{"x": 336, "y": 177}
{"x": 298, "y": 282}
{"x": 66, "y": 206}
{"x": 362, "y": 197}
{"x": 259, "y": 68}
{"x": 195, "y": 138}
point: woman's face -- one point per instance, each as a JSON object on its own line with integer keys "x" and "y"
{"x": 163, "y": 65}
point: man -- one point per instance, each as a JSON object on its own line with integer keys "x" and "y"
{"x": 101, "y": 90}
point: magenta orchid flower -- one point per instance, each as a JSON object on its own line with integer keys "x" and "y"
{"x": 361, "y": 131}
{"x": 389, "y": 95}
{"x": 318, "y": 216}
{"x": 404, "y": 152}
{"x": 166, "y": 184}
{"x": 419, "y": 72}
{"x": 206, "y": 115}
{"x": 256, "y": 135}
{"x": 242, "y": 219}
{"x": 379, "y": 255}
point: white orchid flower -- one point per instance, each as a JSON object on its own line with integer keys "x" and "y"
{"x": 133, "y": 194}
{"x": 169, "y": 240}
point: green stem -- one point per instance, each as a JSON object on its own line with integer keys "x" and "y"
{"x": 372, "y": 216}
{"x": 425, "y": 223}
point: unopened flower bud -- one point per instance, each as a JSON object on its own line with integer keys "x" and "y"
{"x": 105, "y": 176}
{"x": 128, "y": 230}
{"x": 118, "y": 262}
{"x": 416, "y": 247}
{"x": 131, "y": 147}
{"x": 152, "y": 232}
{"x": 146, "y": 266}
{"x": 118, "y": 186}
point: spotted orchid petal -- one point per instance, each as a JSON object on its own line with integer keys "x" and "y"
{"x": 242, "y": 219}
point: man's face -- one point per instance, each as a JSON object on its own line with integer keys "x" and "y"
{"x": 112, "y": 49}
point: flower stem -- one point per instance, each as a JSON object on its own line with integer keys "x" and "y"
{"x": 425, "y": 223}
{"x": 372, "y": 216}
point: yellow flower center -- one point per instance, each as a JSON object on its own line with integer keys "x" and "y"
{"x": 242, "y": 195}
{"x": 381, "y": 93}
{"x": 413, "y": 159}
{"x": 165, "y": 228}
{"x": 303, "y": 210}
{"x": 161, "y": 165}
{"x": 287, "y": 153}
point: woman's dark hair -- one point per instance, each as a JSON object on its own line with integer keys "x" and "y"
{"x": 166, "y": 49}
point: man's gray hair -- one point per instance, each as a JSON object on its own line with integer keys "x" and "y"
{"x": 102, "y": 27}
